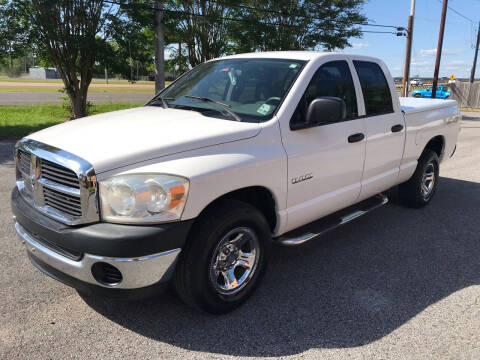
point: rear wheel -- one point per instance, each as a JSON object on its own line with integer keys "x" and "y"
{"x": 224, "y": 259}
{"x": 420, "y": 189}
{"x": 417, "y": 95}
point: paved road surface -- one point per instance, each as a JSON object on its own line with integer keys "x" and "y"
{"x": 395, "y": 284}
{"x": 35, "y": 98}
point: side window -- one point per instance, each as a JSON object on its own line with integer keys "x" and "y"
{"x": 376, "y": 92}
{"x": 332, "y": 79}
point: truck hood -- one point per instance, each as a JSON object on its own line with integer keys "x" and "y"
{"x": 112, "y": 140}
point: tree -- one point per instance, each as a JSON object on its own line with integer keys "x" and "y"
{"x": 14, "y": 41}
{"x": 202, "y": 26}
{"x": 296, "y": 24}
{"x": 159, "y": 47}
{"x": 68, "y": 30}
{"x": 214, "y": 28}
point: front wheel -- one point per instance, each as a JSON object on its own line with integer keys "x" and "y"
{"x": 417, "y": 95}
{"x": 419, "y": 190}
{"x": 224, "y": 259}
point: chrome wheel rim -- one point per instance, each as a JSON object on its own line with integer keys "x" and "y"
{"x": 234, "y": 261}
{"x": 428, "y": 181}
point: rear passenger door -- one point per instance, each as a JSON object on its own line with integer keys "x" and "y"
{"x": 385, "y": 128}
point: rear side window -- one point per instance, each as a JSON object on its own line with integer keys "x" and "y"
{"x": 376, "y": 92}
{"x": 331, "y": 79}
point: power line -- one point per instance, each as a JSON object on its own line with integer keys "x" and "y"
{"x": 399, "y": 28}
{"x": 458, "y": 13}
{"x": 398, "y": 33}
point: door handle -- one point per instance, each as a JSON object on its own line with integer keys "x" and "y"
{"x": 356, "y": 138}
{"x": 397, "y": 128}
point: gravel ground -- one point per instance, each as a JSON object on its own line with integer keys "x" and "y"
{"x": 394, "y": 284}
{"x": 35, "y": 98}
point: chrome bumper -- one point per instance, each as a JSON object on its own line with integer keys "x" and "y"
{"x": 137, "y": 272}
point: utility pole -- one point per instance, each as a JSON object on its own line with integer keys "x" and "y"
{"x": 408, "y": 52}
{"x": 472, "y": 74}
{"x": 439, "y": 49}
{"x": 159, "y": 48}
{"x": 106, "y": 75}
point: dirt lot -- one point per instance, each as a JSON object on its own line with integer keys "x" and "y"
{"x": 395, "y": 284}
{"x": 60, "y": 85}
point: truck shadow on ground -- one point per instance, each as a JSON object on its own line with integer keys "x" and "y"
{"x": 354, "y": 286}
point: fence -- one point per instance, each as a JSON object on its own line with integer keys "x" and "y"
{"x": 467, "y": 95}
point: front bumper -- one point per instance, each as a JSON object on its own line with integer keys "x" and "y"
{"x": 136, "y": 272}
{"x": 144, "y": 255}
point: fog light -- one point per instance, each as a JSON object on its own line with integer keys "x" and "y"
{"x": 106, "y": 274}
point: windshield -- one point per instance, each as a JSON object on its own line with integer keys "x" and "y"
{"x": 250, "y": 88}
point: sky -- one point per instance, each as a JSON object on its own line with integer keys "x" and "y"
{"x": 458, "y": 43}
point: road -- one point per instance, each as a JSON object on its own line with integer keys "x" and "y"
{"x": 35, "y": 98}
{"x": 394, "y": 284}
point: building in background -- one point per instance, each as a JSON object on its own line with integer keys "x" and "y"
{"x": 41, "y": 73}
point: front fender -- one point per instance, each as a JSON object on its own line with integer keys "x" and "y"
{"x": 218, "y": 170}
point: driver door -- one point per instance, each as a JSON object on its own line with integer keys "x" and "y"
{"x": 325, "y": 163}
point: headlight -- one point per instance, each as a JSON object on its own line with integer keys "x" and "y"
{"x": 143, "y": 198}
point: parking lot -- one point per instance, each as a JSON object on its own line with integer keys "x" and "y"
{"x": 394, "y": 284}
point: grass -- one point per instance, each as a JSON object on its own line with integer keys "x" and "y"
{"x": 470, "y": 109}
{"x": 59, "y": 81}
{"x": 90, "y": 90}
{"x": 19, "y": 121}
{"x": 94, "y": 81}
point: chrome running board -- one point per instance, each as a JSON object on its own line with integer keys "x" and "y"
{"x": 313, "y": 230}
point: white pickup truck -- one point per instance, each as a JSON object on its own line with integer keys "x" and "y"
{"x": 238, "y": 154}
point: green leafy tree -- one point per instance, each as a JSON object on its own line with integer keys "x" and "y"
{"x": 67, "y": 30}
{"x": 201, "y": 26}
{"x": 296, "y": 24}
{"x": 15, "y": 34}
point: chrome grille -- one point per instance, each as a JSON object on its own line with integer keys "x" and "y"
{"x": 24, "y": 162}
{"x": 58, "y": 174}
{"x": 57, "y": 183}
{"x": 66, "y": 203}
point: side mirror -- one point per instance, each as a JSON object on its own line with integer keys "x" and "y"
{"x": 326, "y": 110}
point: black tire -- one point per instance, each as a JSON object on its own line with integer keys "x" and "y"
{"x": 194, "y": 279}
{"x": 417, "y": 95}
{"x": 411, "y": 193}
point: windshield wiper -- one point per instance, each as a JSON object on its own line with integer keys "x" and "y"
{"x": 163, "y": 100}
{"x": 226, "y": 107}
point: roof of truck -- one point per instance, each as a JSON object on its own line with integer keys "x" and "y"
{"x": 297, "y": 55}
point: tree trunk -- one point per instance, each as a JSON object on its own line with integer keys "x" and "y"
{"x": 179, "y": 58}
{"x": 78, "y": 100}
{"x": 159, "y": 48}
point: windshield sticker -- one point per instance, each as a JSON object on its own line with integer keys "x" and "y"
{"x": 264, "y": 109}
{"x": 293, "y": 66}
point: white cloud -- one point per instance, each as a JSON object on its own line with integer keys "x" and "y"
{"x": 425, "y": 52}
{"x": 428, "y": 52}
{"x": 361, "y": 45}
{"x": 457, "y": 63}
{"x": 420, "y": 63}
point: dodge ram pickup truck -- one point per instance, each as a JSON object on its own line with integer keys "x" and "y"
{"x": 240, "y": 153}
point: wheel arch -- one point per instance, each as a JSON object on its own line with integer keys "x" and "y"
{"x": 436, "y": 144}
{"x": 257, "y": 196}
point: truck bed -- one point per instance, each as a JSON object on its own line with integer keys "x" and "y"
{"x": 411, "y": 105}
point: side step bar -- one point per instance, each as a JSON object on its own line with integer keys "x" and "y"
{"x": 330, "y": 222}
